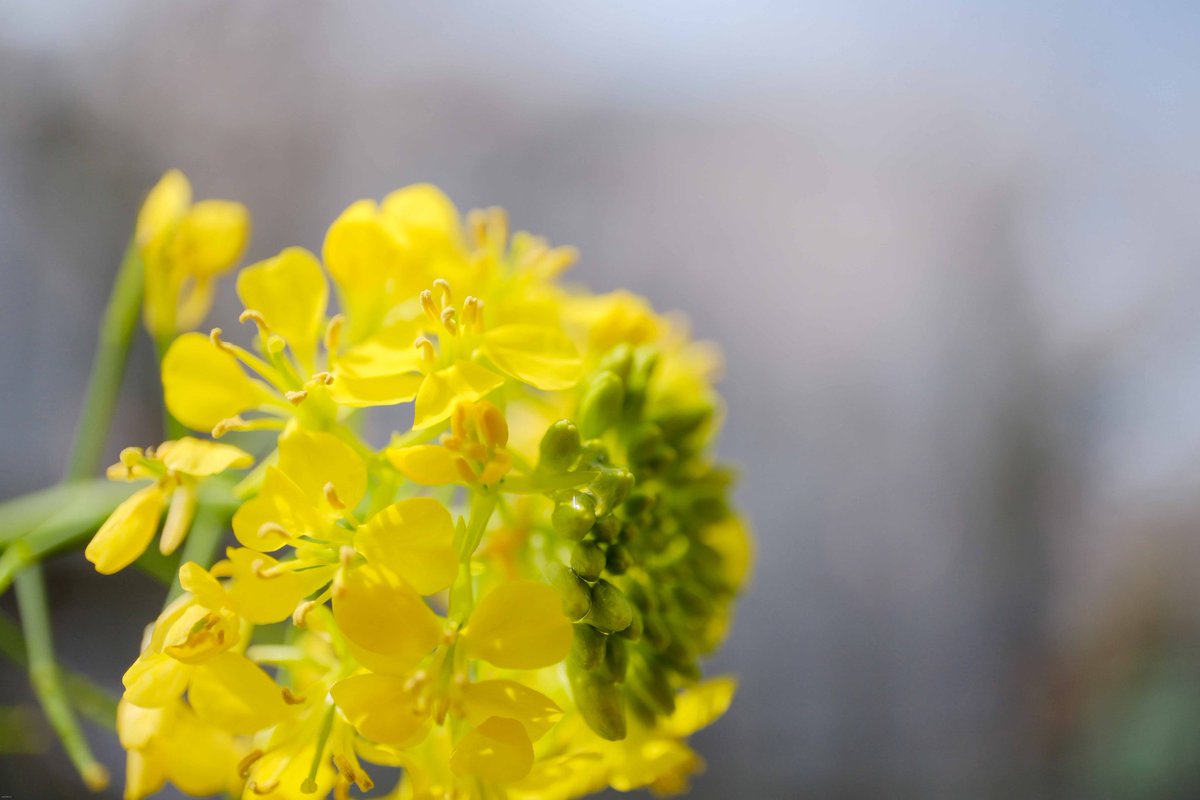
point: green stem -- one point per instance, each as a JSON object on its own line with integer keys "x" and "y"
{"x": 108, "y": 367}
{"x": 201, "y": 544}
{"x": 172, "y": 428}
{"x": 47, "y": 681}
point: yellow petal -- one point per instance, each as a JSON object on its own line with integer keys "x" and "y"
{"x": 414, "y": 539}
{"x": 387, "y": 624}
{"x": 155, "y": 679}
{"x": 145, "y": 773}
{"x": 519, "y": 625}
{"x": 290, "y": 292}
{"x": 731, "y": 538}
{"x": 381, "y": 708}
{"x": 201, "y": 457}
{"x": 365, "y": 256}
{"x": 136, "y": 726}
{"x": 315, "y": 458}
{"x": 498, "y": 750}
{"x": 179, "y": 518}
{"x": 200, "y": 583}
{"x": 127, "y": 532}
{"x": 201, "y": 759}
{"x": 441, "y": 391}
{"x": 699, "y": 707}
{"x": 427, "y": 464}
{"x": 165, "y": 205}
{"x": 236, "y": 695}
{"x": 264, "y": 600}
{"x": 511, "y": 700}
{"x": 540, "y": 356}
{"x": 203, "y": 384}
{"x": 426, "y": 215}
{"x": 210, "y": 238}
{"x": 282, "y": 504}
{"x": 383, "y": 370}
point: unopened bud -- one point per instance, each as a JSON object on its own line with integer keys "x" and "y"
{"x": 560, "y": 446}
{"x": 616, "y": 659}
{"x": 607, "y": 529}
{"x": 611, "y": 611}
{"x": 600, "y": 701}
{"x": 587, "y": 648}
{"x": 610, "y": 488}
{"x": 618, "y": 559}
{"x": 618, "y": 360}
{"x": 587, "y": 559}
{"x": 574, "y": 515}
{"x": 601, "y": 404}
{"x": 574, "y": 593}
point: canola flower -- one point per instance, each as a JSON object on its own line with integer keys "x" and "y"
{"x": 510, "y": 598}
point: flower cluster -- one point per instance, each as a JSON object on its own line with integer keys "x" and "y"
{"x": 509, "y": 598}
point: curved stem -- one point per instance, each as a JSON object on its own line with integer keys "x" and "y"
{"x": 46, "y": 679}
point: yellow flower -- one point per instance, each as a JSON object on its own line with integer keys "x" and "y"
{"x": 176, "y": 468}
{"x": 184, "y": 247}
{"x": 473, "y": 453}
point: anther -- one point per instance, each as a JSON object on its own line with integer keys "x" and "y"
{"x": 301, "y": 612}
{"x": 273, "y": 528}
{"x": 234, "y": 423}
{"x": 215, "y": 337}
{"x": 444, "y": 286}
{"x": 320, "y": 379}
{"x": 130, "y": 456}
{"x": 246, "y": 763}
{"x": 291, "y": 698}
{"x": 428, "y": 306}
{"x": 448, "y": 321}
{"x": 296, "y": 398}
{"x": 346, "y": 555}
{"x": 428, "y": 353}
{"x": 472, "y": 308}
{"x": 416, "y": 680}
{"x": 331, "y": 497}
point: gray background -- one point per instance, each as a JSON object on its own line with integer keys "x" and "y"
{"x": 950, "y": 250}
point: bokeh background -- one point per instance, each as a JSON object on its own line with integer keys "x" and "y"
{"x": 950, "y": 249}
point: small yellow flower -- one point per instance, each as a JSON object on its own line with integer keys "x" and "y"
{"x": 173, "y": 744}
{"x": 184, "y": 247}
{"x": 176, "y": 468}
{"x": 473, "y": 453}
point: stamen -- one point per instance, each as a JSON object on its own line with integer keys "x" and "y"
{"x": 302, "y": 611}
{"x": 246, "y": 763}
{"x": 416, "y": 680}
{"x": 428, "y": 306}
{"x": 319, "y": 379}
{"x": 309, "y": 786}
{"x": 444, "y": 286}
{"x": 296, "y": 398}
{"x": 448, "y": 321}
{"x": 428, "y": 352}
{"x": 331, "y": 497}
{"x": 268, "y": 528}
{"x": 131, "y": 456}
{"x": 292, "y": 699}
{"x": 472, "y": 307}
{"x": 346, "y": 555}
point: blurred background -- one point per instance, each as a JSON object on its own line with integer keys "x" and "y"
{"x": 951, "y": 251}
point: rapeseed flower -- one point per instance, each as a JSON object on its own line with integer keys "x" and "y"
{"x": 511, "y": 598}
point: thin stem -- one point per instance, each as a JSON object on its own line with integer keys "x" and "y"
{"x": 47, "y": 681}
{"x": 201, "y": 544}
{"x": 108, "y": 367}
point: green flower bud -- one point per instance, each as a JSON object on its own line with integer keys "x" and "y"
{"x": 618, "y": 360}
{"x": 616, "y": 659}
{"x": 610, "y": 611}
{"x": 640, "y": 501}
{"x": 600, "y": 701}
{"x": 640, "y": 709}
{"x": 594, "y": 454}
{"x": 636, "y": 627}
{"x": 680, "y": 659}
{"x": 574, "y": 515}
{"x": 587, "y": 559}
{"x": 619, "y": 559}
{"x": 607, "y": 529}
{"x": 601, "y": 404}
{"x": 560, "y": 446}
{"x": 656, "y": 634}
{"x": 574, "y": 593}
{"x": 587, "y": 648}
{"x": 610, "y": 488}
{"x": 680, "y": 424}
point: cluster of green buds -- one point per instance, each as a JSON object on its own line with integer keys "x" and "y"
{"x": 643, "y": 588}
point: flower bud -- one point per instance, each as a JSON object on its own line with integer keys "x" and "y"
{"x": 636, "y": 627}
{"x": 610, "y": 488}
{"x": 618, "y": 559}
{"x": 600, "y": 701}
{"x": 560, "y": 446}
{"x": 574, "y": 515}
{"x": 587, "y": 648}
{"x": 576, "y": 599}
{"x": 601, "y": 404}
{"x": 587, "y": 559}
{"x": 645, "y": 443}
{"x": 607, "y": 529}
{"x": 616, "y": 659}
{"x": 618, "y": 360}
{"x": 610, "y": 611}
{"x": 651, "y": 683}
